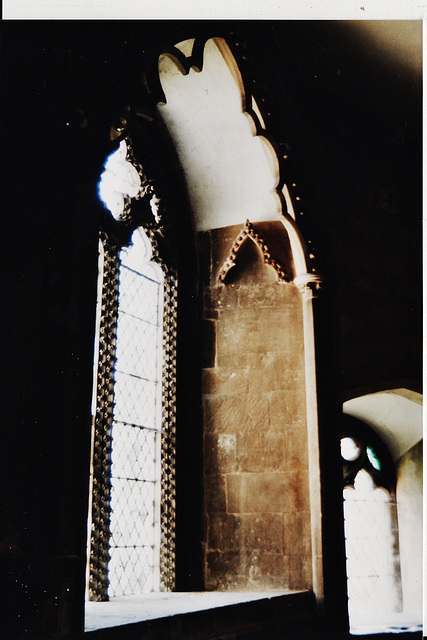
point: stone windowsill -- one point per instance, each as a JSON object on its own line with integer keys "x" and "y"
{"x": 133, "y": 609}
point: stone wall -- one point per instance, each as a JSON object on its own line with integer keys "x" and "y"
{"x": 255, "y": 439}
{"x": 409, "y": 495}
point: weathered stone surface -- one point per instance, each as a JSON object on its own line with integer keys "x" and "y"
{"x": 225, "y": 381}
{"x": 270, "y": 571}
{"x": 210, "y": 307}
{"x": 275, "y": 333}
{"x": 259, "y": 493}
{"x": 221, "y": 297}
{"x": 245, "y": 570}
{"x": 284, "y": 296}
{"x": 300, "y": 573}
{"x": 292, "y": 369}
{"x": 235, "y": 413}
{"x": 236, "y": 493}
{"x": 215, "y": 493}
{"x": 220, "y": 452}
{"x": 233, "y": 360}
{"x": 262, "y": 533}
{"x": 297, "y": 448}
{"x": 255, "y": 442}
{"x": 225, "y": 571}
{"x": 248, "y": 532}
{"x": 270, "y": 369}
{"x": 224, "y": 532}
{"x": 236, "y": 333}
{"x": 287, "y": 408}
{"x": 288, "y": 294}
{"x": 298, "y": 491}
{"x": 297, "y": 534}
{"x": 264, "y": 450}
{"x": 273, "y": 371}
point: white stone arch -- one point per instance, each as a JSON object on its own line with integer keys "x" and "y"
{"x": 208, "y": 112}
{"x": 232, "y": 173}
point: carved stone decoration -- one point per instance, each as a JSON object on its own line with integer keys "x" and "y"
{"x": 123, "y": 180}
{"x": 309, "y": 284}
{"x": 101, "y": 436}
{"x": 249, "y": 232}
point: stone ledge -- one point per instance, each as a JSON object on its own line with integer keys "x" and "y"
{"x": 203, "y": 615}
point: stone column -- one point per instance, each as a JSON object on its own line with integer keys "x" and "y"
{"x": 309, "y": 286}
{"x": 327, "y": 535}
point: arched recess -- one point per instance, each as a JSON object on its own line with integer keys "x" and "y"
{"x": 395, "y": 415}
{"x": 230, "y": 163}
{"x": 233, "y": 173}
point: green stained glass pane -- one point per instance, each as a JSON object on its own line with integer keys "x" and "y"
{"x": 373, "y": 458}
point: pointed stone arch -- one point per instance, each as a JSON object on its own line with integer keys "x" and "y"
{"x": 246, "y": 233}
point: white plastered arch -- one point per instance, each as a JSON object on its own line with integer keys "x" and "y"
{"x": 231, "y": 168}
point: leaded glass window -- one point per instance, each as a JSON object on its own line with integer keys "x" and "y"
{"x": 132, "y": 509}
{"x": 137, "y": 425}
{"x": 370, "y": 524}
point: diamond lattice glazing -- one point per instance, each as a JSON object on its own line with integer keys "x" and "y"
{"x": 133, "y": 503}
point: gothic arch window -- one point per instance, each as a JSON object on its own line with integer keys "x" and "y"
{"x": 370, "y": 524}
{"x": 132, "y": 502}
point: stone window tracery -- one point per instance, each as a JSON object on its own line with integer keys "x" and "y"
{"x": 370, "y": 526}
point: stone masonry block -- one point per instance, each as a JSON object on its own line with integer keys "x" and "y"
{"x": 225, "y": 571}
{"x": 224, "y": 532}
{"x": 274, "y": 295}
{"x": 210, "y": 309}
{"x": 235, "y": 493}
{"x": 221, "y": 297}
{"x": 215, "y": 493}
{"x": 262, "y": 532}
{"x": 237, "y": 332}
{"x": 259, "y": 493}
{"x": 261, "y": 451}
{"x": 288, "y": 294}
{"x": 287, "y": 408}
{"x": 297, "y": 534}
{"x": 270, "y": 372}
{"x": 297, "y": 448}
{"x": 247, "y": 571}
{"x": 258, "y": 295}
{"x": 234, "y": 361}
{"x": 235, "y": 413}
{"x": 293, "y": 365}
{"x": 300, "y": 573}
{"x": 247, "y": 532}
{"x": 276, "y": 332}
{"x": 269, "y": 571}
{"x": 220, "y": 453}
{"x": 225, "y": 381}
{"x": 298, "y": 491}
